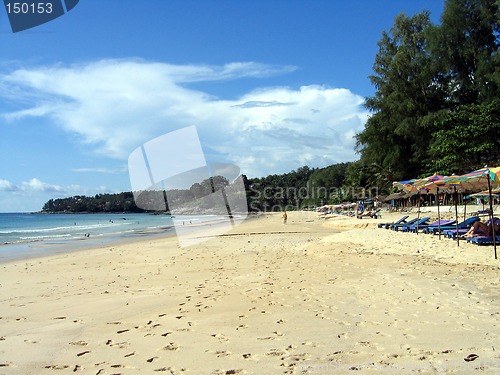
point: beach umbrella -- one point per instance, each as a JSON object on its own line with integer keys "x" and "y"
{"x": 417, "y": 186}
{"x": 432, "y": 187}
{"x": 445, "y": 185}
{"x": 405, "y": 185}
{"x": 479, "y": 180}
{"x": 485, "y": 194}
{"x": 420, "y": 185}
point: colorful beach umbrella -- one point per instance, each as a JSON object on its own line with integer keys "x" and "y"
{"x": 476, "y": 181}
{"x": 425, "y": 185}
{"x": 433, "y": 184}
{"x": 485, "y": 194}
{"x": 479, "y": 180}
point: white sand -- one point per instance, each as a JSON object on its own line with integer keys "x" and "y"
{"x": 268, "y": 299}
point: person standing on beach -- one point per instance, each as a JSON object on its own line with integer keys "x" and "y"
{"x": 285, "y": 217}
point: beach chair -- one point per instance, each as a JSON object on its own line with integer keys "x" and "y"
{"x": 453, "y": 233}
{"x": 437, "y": 224}
{"x": 483, "y": 240}
{"x": 397, "y": 226}
{"x": 466, "y": 224}
{"x": 386, "y": 225}
{"x": 419, "y": 222}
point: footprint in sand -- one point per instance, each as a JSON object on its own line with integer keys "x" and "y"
{"x": 266, "y": 338}
{"x": 171, "y": 347}
{"x": 227, "y": 372}
{"x": 220, "y": 337}
{"x": 56, "y": 367}
{"x": 222, "y": 353}
{"x": 119, "y": 345}
{"x": 80, "y": 343}
{"x": 276, "y": 353}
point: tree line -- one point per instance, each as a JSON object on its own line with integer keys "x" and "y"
{"x": 436, "y": 107}
{"x": 298, "y": 189}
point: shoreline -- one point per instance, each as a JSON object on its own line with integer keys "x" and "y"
{"x": 45, "y": 247}
{"x": 311, "y": 296}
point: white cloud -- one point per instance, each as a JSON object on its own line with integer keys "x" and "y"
{"x": 30, "y": 195}
{"x": 7, "y": 186}
{"x": 116, "y": 105}
{"x": 35, "y": 186}
{"x": 100, "y": 170}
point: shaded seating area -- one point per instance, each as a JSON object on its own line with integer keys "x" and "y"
{"x": 455, "y": 187}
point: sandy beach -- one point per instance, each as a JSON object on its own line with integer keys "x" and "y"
{"x": 313, "y": 296}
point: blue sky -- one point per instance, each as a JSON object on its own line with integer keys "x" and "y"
{"x": 271, "y": 85}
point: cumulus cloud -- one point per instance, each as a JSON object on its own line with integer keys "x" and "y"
{"x": 39, "y": 186}
{"x": 35, "y": 185}
{"x": 116, "y": 105}
{"x": 7, "y": 186}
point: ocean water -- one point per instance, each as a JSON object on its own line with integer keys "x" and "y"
{"x": 25, "y": 234}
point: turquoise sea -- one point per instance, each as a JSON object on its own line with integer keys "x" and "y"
{"x": 26, "y": 234}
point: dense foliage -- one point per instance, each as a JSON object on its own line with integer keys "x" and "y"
{"x": 466, "y": 138}
{"x": 121, "y": 202}
{"x": 436, "y": 107}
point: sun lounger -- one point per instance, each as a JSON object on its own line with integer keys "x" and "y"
{"x": 437, "y": 224}
{"x": 386, "y": 225}
{"x": 396, "y": 227}
{"x": 466, "y": 224}
{"x": 480, "y": 212}
{"x": 452, "y": 233}
{"x": 419, "y": 222}
{"x": 483, "y": 240}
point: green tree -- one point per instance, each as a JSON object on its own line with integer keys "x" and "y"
{"x": 467, "y": 139}
{"x": 465, "y": 49}
{"x": 406, "y": 102}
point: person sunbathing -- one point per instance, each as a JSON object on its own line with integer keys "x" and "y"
{"x": 484, "y": 229}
